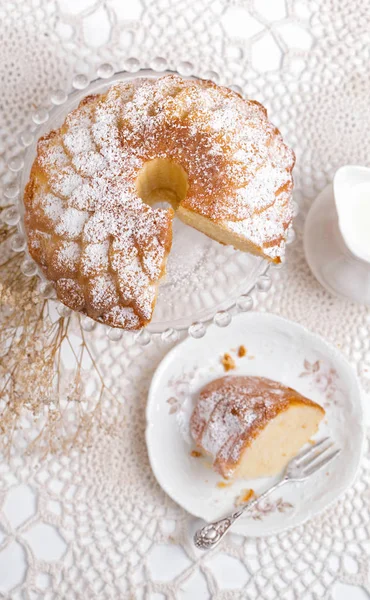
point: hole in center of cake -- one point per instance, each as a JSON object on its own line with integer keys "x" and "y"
{"x": 162, "y": 181}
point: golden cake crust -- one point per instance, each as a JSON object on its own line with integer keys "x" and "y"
{"x": 233, "y": 410}
{"x": 104, "y": 247}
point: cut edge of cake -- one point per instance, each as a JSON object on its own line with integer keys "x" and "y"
{"x": 269, "y": 452}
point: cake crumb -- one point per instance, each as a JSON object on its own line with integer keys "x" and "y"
{"x": 242, "y": 351}
{"x": 244, "y": 497}
{"x": 228, "y": 362}
{"x": 195, "y": 454}
{"x": 223, "y": 484}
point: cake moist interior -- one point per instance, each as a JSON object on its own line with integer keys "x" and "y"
{"x": 162, "y": 180}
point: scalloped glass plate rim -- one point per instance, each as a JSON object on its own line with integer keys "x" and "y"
{"x": 57, "y": 112}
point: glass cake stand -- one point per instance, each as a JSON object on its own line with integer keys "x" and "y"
{"x": 205, "y": 281}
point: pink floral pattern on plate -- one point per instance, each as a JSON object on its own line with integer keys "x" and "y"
{"x": 181, "y": 388}
{"x": 267, "y": 507}
{"x": 175, "y": 405}
{"x": 323, "y": 375}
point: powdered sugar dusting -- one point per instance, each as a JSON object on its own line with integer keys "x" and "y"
{"x": 123, "y": 316}
{"x": 102, "y": 293}
{"x": 78, "y": 140}
{"x": 89, "y": 163}
{"x": 71, "y": 293}
{"x": 67, "y": 257}
{"x": 234, "y": 158}
{"x": 95, "y": 258}
{"x": 53, "y": 207}
{"x": 230, "y": 411}
{"x": 271, "y": 227}
{"x": 63, "y": 182}
{"x": 71, "y": 223}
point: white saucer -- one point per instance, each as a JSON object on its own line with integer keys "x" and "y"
{"x": 278, "y": 349}
{"x": 331, "y": 262}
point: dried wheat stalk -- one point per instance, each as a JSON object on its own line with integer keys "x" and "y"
{"x": 33, "y": 381}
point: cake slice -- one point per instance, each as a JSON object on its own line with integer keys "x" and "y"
{"x": 252, "y": 426}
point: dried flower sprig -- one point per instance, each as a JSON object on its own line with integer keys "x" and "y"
{"x": 44, "y": 403}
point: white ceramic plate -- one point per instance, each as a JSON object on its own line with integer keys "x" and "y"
{"x": 278, "y": 349}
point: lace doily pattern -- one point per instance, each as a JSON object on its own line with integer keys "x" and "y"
{"x": 112, "y": 531}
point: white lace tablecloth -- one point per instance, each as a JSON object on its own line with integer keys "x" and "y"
{"x": 95, "y": 524}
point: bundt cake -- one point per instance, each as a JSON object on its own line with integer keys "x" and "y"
{"x": 252, "y": 426}
{"x": 89, "y": 214}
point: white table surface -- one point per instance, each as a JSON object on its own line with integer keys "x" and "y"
{"x": 166, "y": 559}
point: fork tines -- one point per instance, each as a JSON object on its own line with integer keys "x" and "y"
{"x": 316, "y": 457}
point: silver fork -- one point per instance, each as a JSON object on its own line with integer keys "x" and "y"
{"x": 298, "y": 469}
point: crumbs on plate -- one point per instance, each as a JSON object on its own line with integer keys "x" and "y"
{"x": 223, "y": 484}
{"x": 228, "y": 362}
{"x": 244, "y": 497}
{"x": 196, "y": 454}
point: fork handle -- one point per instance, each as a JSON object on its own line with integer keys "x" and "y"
{"x": 210, "y": 535}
